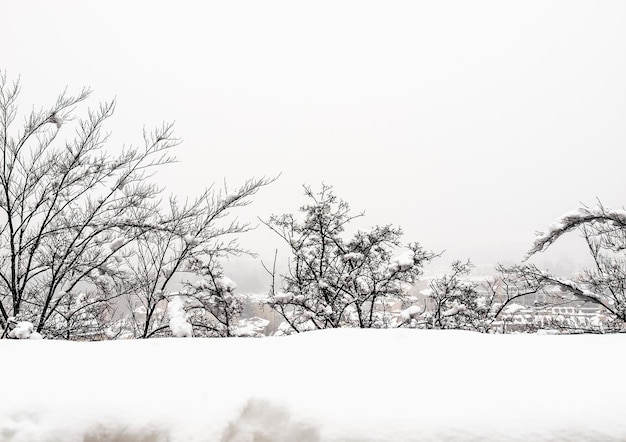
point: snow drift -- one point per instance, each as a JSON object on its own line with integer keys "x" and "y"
{"x": 334, "y": 385}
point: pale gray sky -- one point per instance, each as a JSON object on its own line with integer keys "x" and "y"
{"x": 470, "y": 124}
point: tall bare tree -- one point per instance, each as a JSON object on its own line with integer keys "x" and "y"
{"x": 80, "y": 225}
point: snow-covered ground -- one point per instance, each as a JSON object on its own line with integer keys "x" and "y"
{"x": 339, "y": 385}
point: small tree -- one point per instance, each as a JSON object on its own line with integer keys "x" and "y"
{"x": 332, "y": 282}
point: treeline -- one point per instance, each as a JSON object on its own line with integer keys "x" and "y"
{"x": 90, "y": 249}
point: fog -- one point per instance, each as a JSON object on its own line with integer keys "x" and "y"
{"x": 470, "y": 124}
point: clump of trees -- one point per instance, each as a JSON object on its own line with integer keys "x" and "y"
{"x": 84, "y": 231}
{"x": 454, "y": 301}
{"x": 361, "y": 281}
{"x": 365, "y": 279}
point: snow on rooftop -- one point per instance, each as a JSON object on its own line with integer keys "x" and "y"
{"x": 332, "y": 385}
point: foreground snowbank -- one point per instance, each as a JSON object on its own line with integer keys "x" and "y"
{"x": 340, "y": 385}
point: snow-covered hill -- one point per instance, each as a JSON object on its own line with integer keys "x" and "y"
{"x": 339, "y": 385}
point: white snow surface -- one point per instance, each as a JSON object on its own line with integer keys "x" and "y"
{"x": 332, "y": 385}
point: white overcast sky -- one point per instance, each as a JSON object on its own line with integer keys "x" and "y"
{"x": 469, "y": 124}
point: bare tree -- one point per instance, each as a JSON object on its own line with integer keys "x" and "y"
{"x": 187, "y": 255}
{"x": 332, "y": 282}
{"x": 82, "y": 228}
{"x": 603, "y": 285}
